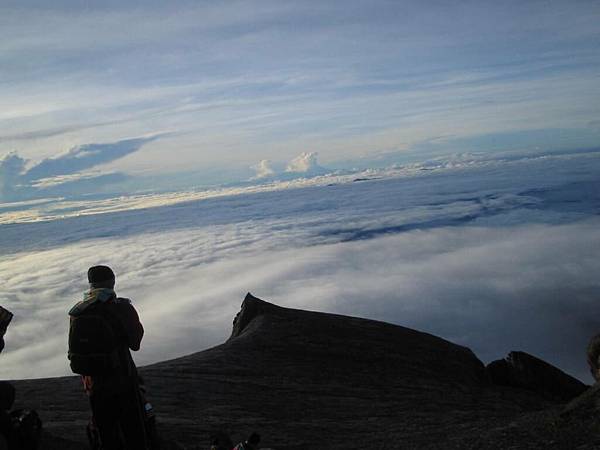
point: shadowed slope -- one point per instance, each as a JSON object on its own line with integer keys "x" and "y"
{"x": 313, "y": 380}
{"x": 520, "y": 369}
{"x": 328, "y": 346}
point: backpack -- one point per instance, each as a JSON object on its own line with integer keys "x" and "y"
{"x": 25, "y": 430}
{"x": 94, "y": 344}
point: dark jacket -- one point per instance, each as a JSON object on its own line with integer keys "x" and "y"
{"x": 132, "y": 328}
{"x": 128, "y": 317}
{"x": 127, "y": 326}
{"x": 115, "y": 399}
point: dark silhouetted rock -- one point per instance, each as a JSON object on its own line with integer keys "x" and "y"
{"x": 522, "y": 370}
{"x": 344, "y": 347}
{"x": 252, "y": 307}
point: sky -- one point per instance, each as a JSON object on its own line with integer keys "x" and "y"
{"x": 430, "y": 164}
{"x": 218, "y": 87}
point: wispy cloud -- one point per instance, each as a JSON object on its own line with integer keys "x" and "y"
{"x": 51, "y": 132}
{"x": 269, "y": 80}
{"x": 83, "y": 157}
{"x": 18, "y": 180}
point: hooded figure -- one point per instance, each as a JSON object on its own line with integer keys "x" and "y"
{"x": 109, "y": 379}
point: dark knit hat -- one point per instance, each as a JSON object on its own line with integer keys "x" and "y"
{"x": 100, "y": 274}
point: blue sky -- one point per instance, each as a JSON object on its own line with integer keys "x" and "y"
{"x": 227, "y": 84}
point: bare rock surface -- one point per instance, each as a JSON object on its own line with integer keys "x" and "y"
{"x": 522, "y": 370}
{"x": 308, "y": 380}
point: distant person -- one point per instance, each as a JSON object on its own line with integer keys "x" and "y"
{"x": 250, "y": 444}
{"x": 7, "y": 390}
{"x": 103, "y": 329}
{"x": 593, "y": 356}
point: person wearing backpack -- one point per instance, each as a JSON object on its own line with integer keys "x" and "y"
{"x": 103, "y": 330}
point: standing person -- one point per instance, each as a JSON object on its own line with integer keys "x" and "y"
{"x": 7, "y": 391}
{"x": 103, "y": 329}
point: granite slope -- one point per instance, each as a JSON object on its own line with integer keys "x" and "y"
{"x": 309, "y": 380}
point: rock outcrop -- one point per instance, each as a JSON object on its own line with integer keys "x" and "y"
{"x": 522, "y": 370}
{"x": 346, "y": 347}
{"x": 308, "y": 380}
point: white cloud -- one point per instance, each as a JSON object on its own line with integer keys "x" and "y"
{"x": 395, "y": 249}
{"x": 263, "y": 169}
{"x": 306, "y": 163}
{"x": 531, "y": 288}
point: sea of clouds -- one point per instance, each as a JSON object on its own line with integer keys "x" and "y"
{"x": 494, "y": 254}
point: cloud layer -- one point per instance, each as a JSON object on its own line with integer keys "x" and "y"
{"x": 529, "y": 288}
{"x": 496, "y": 256}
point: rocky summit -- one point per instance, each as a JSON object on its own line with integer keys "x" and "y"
{"x": 309, "y": 380}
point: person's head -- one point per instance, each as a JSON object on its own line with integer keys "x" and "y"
{"x": 101, "y": 277}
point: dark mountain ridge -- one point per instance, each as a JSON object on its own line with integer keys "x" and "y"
{"x": 309, "y": 380}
